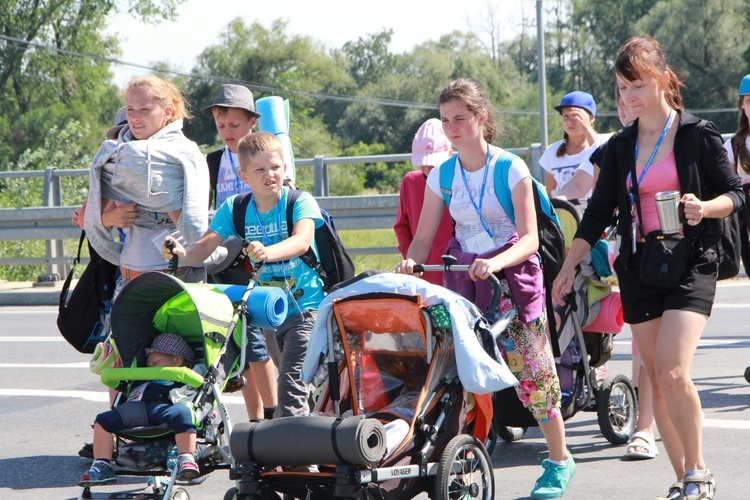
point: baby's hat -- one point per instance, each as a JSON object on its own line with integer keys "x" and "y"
{"x": 172, "y": 344}
{"x": 430, "y": 145}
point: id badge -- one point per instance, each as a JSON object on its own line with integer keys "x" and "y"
{"x": 480, "y": 243}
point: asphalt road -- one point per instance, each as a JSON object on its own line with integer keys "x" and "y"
{"x": 48, "y": 399}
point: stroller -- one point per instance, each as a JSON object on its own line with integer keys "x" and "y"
{"x": 394, "y": 415}
{"x": 591, "y": 317}
{"x": 213, "y": 327}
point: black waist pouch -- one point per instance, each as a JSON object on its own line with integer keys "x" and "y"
{"x": 664, "y": 259}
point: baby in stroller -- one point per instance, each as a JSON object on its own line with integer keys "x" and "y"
{"x": 150, "y": 404}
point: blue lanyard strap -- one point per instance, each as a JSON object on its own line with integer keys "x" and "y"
{"x": 656, "y": 148}
{"x": 481, "y": 192}
{"x": 236, "y": 174}
{"x": 266, "y": 239}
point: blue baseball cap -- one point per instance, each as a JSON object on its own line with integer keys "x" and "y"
{"x": 579, "y": 99}
{"x": 745, "y": 86}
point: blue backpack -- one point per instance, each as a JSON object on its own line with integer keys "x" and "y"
{"x": 551, "y": 240}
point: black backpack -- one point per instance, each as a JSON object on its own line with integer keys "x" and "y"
{"x": 729, "y": 244}
{"x": 213, "y": 160}
{"x": 335, "y": 263}
{"x": 82, "y": 317}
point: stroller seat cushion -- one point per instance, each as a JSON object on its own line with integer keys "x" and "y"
{"x": 133, "y": 414}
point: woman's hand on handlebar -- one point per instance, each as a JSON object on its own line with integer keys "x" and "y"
{"x": 563, "y": 285}
{"x": 406, "y": 266}
{"x": 483, "y": 268}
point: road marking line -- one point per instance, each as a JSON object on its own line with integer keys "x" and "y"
{"x": 37, "y": 310}
{"x": 702, "y": 343}
{"x": 32, "y": 339}
{"x": 83, "y": 364}
{"x": 89, "y": 395}
{"x": 715, "y": 423}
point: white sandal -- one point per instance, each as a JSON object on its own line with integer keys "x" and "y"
{"x": 634, "y": 450}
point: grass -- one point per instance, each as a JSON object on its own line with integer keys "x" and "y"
{"x": 364, "y": 238}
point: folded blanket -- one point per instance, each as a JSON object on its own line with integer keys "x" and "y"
{"x": 163, "y": 173}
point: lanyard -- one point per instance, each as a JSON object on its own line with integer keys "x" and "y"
{"x": 234, "y": 169}
{"x": 653, "y": 153}
{"x": 481, "y": 192}
{"x": 266, "y": 239}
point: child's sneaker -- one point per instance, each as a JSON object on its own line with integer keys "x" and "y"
{"x": 555, "y": 479}
{"x": 187, "y": 469}
{"x": 99, "y": 473}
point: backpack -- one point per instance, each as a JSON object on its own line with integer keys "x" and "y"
{"x": 729, "y": 242}
{"x": 335, "y": 264}
{"x": 213, "y": 160}
{"x": 83, "y": 317}
{"x": 551, "y": 240}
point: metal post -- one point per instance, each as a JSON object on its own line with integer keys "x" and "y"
{"x": 319, "y": 187}
{"x": 51, "y": 197}
{"x": 542, "y": 74}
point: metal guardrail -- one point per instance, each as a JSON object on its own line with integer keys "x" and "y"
{"x": 52, "y": 222}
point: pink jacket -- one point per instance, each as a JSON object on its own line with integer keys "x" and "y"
{"x": 411, "y": 197}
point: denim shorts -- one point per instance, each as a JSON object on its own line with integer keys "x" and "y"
{"x": 256, "y": 346}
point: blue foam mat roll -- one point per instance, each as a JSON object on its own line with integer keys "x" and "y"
{"x": 274, "y": 115}
{"x": 286, "y": 145}
{"x": 266, "y": 305}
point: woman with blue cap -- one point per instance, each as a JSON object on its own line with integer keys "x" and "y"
{"x": 738, "y": 150}
{"x": 561, "y": 159}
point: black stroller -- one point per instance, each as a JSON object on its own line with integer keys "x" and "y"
{"x": 582, "y": 352}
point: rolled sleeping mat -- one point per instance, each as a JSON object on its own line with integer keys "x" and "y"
{"x": 307, "y": 440}
{"x": 274, "y": 115}
{"x": 275, "y": 119}
{"x": 288, "y": 154}
{"x": 266, "y": 305}
{"x": 610, "y": 318}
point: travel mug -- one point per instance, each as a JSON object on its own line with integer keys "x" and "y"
{"x": 668, "y": 210}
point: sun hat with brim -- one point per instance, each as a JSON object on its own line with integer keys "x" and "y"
{"x": 172, "y": 344}
{"x": 745, "y": 86}
{"x": 430, "y": 145}
{"x": 233, "y": 96}
{"x": 121, "y": 118}
{"x": 578, "y": 99}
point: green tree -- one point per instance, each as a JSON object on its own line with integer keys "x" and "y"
{"x": 269, "y": 61}
{"x": 705, "y": 41}
{"x": 52, "y": 59}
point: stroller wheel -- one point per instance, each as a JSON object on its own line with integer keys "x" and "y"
{"x": 510, "y": 434}
{"x": 617, "y": 409}
{"x": 179, "y": 493}
{"x": 464, "y": 471}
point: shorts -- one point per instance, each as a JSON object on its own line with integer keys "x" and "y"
{"x": 256, "y": 350}
{"x": 642, "y": 302}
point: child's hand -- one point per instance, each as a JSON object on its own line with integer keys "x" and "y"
{"x": 176, "y": 249}
{"x": 256, "y": 251}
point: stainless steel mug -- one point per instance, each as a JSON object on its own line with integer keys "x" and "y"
{"x": 668, "y": 210}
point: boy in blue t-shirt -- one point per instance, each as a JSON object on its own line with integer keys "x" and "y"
{"x": 262, "y": 167}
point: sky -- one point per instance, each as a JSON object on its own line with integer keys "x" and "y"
{"x": 331, "y": 22}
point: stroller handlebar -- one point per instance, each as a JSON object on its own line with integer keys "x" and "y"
{"x": 448, "y": 266}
